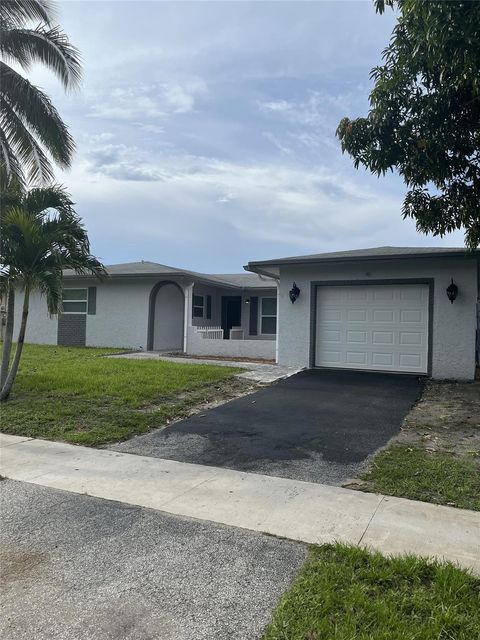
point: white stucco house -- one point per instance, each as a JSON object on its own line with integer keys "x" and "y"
{"x": 150, "y": 306}
{"x": 382, "y": 309}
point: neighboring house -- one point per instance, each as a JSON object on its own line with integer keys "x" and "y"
{"x": 149, "y": 306}
{"x": 382, "y": 309}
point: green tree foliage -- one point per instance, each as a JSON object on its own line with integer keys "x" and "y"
{"x": 40, "y": 237}
{"x": 32, "y": 132}
{"x": 424, "y": 119}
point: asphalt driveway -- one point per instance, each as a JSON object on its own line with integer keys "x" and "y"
{"x": 317, "y": 426}
{"x": 75, "y": 567}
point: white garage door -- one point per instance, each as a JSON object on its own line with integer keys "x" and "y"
{"x": 380, "y": 327}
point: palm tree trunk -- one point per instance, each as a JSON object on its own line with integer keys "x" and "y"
{"x": 7, "y": 387}
{"x": 7, "y": 341}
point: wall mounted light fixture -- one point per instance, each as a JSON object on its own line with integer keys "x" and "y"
{"x": 247, "y": 300}
{"x": 294, "y": 293}
{"x": 452, "y": 291}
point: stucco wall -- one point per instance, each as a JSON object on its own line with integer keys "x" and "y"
{"x": 41, "y": 328}
{"x": 230, "y": 348}
{"x": 120, "y": 320}
{"x": 122, "y": 314}
{"x": 454, "y": 325}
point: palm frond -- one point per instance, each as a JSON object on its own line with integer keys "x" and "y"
{"x": 34, "y": 107}
{"x": 9, "y": 163}
{"x": 37, "y": 201}
{"x": 43, "y": 236}
{"x": 50, "y": 47}
{"x": 11, "y": 190}
{"x": 24, "y": 146}
{"x": 18, "y": 12}
{"x": 49, "y": 283}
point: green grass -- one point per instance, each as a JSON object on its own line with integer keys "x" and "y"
{"x": 417, "y": 474}
{"x": 346, "y": 593}
{"x": 76, "y": 395}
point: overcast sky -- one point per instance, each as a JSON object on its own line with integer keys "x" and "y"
{"x": 206, "y": 131}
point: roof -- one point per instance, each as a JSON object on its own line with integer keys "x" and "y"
{"x": 374, "y": 253}
{"x": 155, "y": 269}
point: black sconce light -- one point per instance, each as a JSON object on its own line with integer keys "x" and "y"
{"x": 294, "y": 293}
{"x": 452, "y": 291}
{"x": 247, "y": 300}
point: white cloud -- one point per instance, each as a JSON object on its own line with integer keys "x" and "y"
{"x": 277, "y": 143}
{"x": 138, "y": 101}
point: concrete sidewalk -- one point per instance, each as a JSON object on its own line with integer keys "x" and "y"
{"x": 261, "y": 372}
{"x": 303, "y": 511}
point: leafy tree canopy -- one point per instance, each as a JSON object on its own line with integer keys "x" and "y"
{"x": 424, "y": 119}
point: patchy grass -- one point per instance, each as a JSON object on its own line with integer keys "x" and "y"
{"x": 76, "y": 395}
{"x": 441, "y": 478}
{"x": 347, "y": 593}
{"x": 436, "y": 455}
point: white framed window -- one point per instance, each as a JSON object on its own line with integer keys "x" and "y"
{"x": 75, "y": 300}
{"x": 268, "y": 316}
{"x": 198, "y": 306}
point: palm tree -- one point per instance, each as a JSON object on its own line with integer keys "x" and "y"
{"x": 29, "y": 123}
{"x": 41, "y": 235}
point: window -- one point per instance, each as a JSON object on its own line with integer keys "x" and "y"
{"x": 202, "y": 307}
{"x": 268, "y": 316}
{"x": 198, "y": 306}
{"x": 74, "y": 301}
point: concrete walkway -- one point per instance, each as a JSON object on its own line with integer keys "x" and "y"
{"x": 303, "y": 511}
{"x": 262, "y": 372}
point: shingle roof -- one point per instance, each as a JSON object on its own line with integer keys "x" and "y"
{"x": 374, "y": 253}
{"x": 155, "y": 269}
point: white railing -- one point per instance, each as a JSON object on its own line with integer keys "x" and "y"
{"x": 236, "y": 333}
{"x": 211, "y": 333}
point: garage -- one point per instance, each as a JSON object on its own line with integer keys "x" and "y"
{"x": 392, "y": 309}
{"x": 382, "y": 327}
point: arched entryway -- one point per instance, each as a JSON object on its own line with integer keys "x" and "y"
{"x": 166, "y": 317}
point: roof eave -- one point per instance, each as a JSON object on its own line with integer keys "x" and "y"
{"x": 253, "y": 268}
{"x": 261, "y": 267}
{"x": 170, "y": 276}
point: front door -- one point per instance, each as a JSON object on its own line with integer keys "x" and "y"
{"x": 231, "y": 314}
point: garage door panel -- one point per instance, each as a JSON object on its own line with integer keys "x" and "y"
{"x": 382, "y": 360}
{"x": 383, "y": 337}
{"x": 356, "y": 315}
{"x": 356, "y": 337}
{"x": 412, "y": 338}
{"x": 383, "y": 315}
{"x": 411, "y": 360}
{"x": 332, "y": 315}
{"x": 379, "y": 327}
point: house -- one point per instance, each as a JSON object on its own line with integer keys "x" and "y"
{"x": 392, "y": 309}
{"x": 150, "y": 306}
{"x": 396, "y": 309}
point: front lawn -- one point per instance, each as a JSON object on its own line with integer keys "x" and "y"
{"x": 347, "y": 593}
{"x": 76, "y": 395}
{"x": 441, "y": 478}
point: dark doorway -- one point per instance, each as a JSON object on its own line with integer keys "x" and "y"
{"x": 231, "y": 314}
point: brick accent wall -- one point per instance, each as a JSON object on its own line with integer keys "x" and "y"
{"x": 72, "y": 329}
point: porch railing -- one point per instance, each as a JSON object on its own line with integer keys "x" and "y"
{"x": 211, "y": 333}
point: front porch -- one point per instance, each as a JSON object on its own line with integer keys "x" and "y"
{"x": 223, "y": 316}
{"x": 231, "y": 323}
